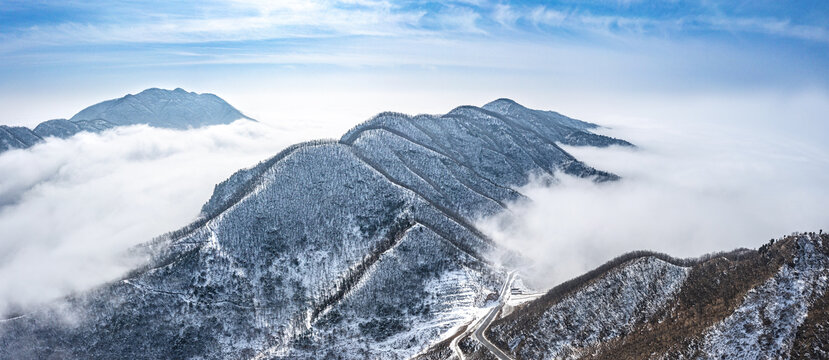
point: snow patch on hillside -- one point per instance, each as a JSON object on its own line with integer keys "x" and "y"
{"x": 764, "y": 326}
{"x": 605, "y": 309}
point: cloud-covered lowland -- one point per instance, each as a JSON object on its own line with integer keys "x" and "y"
{"x": 69, "y": 209}
{"x": 731, "y": 173}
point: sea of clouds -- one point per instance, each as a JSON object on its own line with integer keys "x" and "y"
{"x": 706, "y": 176}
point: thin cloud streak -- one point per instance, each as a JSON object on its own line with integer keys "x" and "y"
{"x": 319, "y": 19}
{"x": 614, "y": 25}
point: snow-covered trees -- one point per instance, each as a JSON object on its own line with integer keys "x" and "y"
{"x": 328, "y": 244}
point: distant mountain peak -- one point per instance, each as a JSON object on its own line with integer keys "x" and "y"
{"x": 176, "y": 109}
{"x": 157, "y": 107}
{"x": 503, "y": 101}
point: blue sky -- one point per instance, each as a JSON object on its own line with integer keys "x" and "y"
{"x": 406, "y": 54}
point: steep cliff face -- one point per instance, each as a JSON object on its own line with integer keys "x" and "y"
{"x": 362, "y": 247}
{"x": 744, "y": 304}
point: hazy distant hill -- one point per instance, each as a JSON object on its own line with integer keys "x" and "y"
{"x": 176, "y": 109}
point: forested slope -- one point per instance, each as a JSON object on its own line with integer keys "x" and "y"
{"x": 361, "y": 247}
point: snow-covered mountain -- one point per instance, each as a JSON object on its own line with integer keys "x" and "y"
{"x": 362, "y": 247}
{"x": 365, "y": 247}
{"x": 176, "y": 109}
{"x": 746, "y": 304}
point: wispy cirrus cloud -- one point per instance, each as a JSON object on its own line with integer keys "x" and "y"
{"x": 240, "y": 21}
{"x": 253, "y": 20}
{"x": 578, "y": 20}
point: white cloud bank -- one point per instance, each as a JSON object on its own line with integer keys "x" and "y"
{"x": 70, "y": 208}
{"x": 709, "y": 179}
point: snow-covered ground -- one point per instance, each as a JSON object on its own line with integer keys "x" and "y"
{"x": 764, "y": 326}
{"x": 604, "y": 309}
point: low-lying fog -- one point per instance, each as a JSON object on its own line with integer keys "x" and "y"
{"x": 711, "y": 175}
{"x": 69, "y": 209}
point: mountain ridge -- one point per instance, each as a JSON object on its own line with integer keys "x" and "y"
{"x": 368, "y": 239}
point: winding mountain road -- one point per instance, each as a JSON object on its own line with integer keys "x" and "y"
{"x": 478, "y": 328}
{"x": 480, "y": 332}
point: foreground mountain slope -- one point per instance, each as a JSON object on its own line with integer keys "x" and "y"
{"x": 176, "y": 109}
{"x": 744, "y": 304}
{"x": 362, "y": 247}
